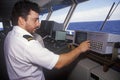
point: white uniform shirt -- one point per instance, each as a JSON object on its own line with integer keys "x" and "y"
{"x": 24, "y": 58}
{"x": 39, "y": 38}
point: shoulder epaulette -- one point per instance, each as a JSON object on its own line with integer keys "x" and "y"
{"x": 28, "y": 37}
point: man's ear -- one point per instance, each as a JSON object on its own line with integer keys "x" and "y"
{"x": 21, "y": 21}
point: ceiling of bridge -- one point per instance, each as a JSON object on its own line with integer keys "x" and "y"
{"x": 6, "y": 5}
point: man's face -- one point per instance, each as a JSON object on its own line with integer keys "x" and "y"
{"x": 32, "y": 21}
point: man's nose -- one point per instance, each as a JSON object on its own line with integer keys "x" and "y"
{"x": 38, "y": 24}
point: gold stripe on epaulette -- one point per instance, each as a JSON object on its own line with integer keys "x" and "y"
{"x": 28, "y": 37}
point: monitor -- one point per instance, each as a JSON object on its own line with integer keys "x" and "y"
{"x": 45, "y": 28}
{"x": 48, "y": 28}
{"x": 79, "y": 37}
{"x": 56, "y": 27}
{"x": 60, "y": 35}
{"x": 1, "y": 26}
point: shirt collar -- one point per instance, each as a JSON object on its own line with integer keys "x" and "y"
{"x": 20, "y": 30}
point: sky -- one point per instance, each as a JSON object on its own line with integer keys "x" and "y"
{"x": 92, "y": 10}
{"x": 96, "y": 10}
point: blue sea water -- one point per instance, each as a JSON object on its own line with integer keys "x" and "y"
{"x": 1, "y": 29}
{"x": 109, "y": 27}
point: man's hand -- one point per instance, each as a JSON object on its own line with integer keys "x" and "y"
{"x": 84, "y": 46}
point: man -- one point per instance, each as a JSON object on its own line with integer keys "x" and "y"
{"x": 25, "y": 56}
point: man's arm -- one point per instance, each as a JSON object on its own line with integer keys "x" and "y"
{"x": 67, "y": 58}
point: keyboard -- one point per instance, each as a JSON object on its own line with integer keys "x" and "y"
{"x": 56, "y": 46}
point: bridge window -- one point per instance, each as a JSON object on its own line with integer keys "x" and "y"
{"x": 1, "y": 26}
{"x": 43, "y": 17}
{"x": 59, "y": 15}
{"x": 90, "y": 16}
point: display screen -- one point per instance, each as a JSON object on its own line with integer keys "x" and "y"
{"x": 60, "y": 35}
{"x": 80, "y": 37}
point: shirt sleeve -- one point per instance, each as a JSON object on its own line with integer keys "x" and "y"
{"x": 39, "y": 55}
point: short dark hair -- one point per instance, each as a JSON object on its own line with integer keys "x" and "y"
{"x": 22, "y": 8}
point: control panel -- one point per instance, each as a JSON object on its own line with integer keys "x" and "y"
{"x": 101, "y": 42}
